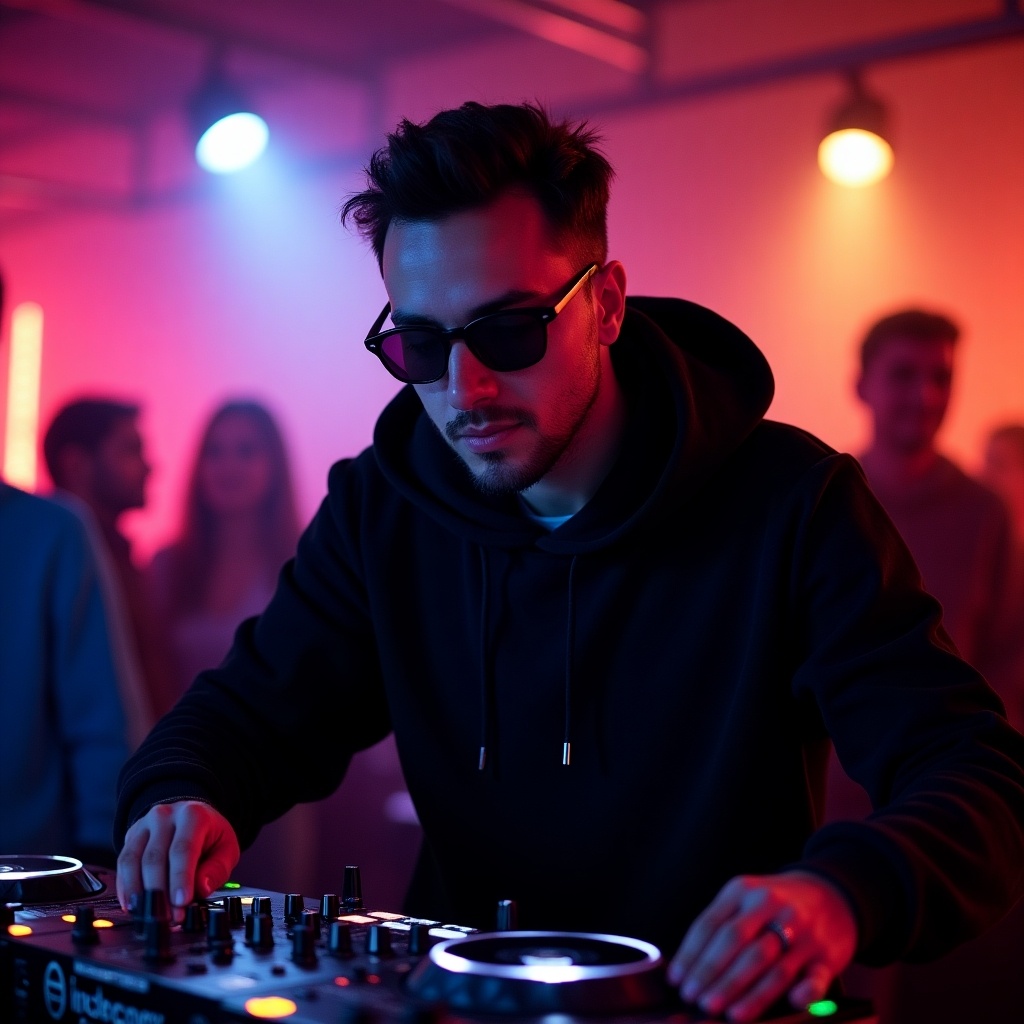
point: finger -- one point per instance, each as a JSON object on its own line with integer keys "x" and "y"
{"x": 184, "y": 853}
{"x": 729, "y": 942}
{"x": 160, "y": 825}
{"x": 705, "y": 925}
{"x": 129, "y": 867}
{"x": 754, "y": 974}
{"x": 767, "y": 989}
{"x": 215, "y": 868}
{"x": 814, "y": 985}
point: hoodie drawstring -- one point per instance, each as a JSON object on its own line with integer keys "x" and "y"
{"x": 570, "y": 645}
{"x": 485, "y": 689}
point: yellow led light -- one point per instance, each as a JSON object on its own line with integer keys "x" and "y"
{"x": 270, "y": 1007}
{"x": 23, "y": 395}
{"x": 855, "y": 158}
{"x": 70, "y": 918}
{"x": 102, "y": 922}
{"x": 18, "y": 930}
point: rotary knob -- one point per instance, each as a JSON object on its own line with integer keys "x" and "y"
{"x": 294, "y": 905}
{"x": 378, "y": 941}
{"x": 339, "y": 942}
{"x": 158, "y": 942}
{"x": 330, "y": 906}
{"x": 218, "y": 931}
{"x": 83, "y": 931}
{"x": 420, "y": 939}
{"x": 304, "y": 946}
{"x": 197, "y": 917}
{"x": 261, "y": 905}
{"x": 233, "y": 905}
{"x": 262, "y": 932}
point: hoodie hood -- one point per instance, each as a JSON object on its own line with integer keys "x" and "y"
{"x": 695, "y": 385}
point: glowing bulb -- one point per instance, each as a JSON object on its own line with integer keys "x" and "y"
{"x": 232, "y": 143}
{"x": 855, "y": 157}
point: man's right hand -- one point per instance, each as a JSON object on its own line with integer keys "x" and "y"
{"x": 186, "y": 849}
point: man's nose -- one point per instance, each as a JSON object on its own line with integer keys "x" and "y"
{"x": 469, "y": 381}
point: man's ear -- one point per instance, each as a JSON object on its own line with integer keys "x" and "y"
{"x": 610, "y": 300}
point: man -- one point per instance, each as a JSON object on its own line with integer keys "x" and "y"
{"x": 958, "y": 532}
{"x": 956, "y": 528}
{"x": 62, "y": 728}
{"x": 608, "y": 613}
{"x": 94, "y": 451}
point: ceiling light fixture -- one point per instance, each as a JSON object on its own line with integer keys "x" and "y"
{"x": 856, "y": 152}
{"x": 229, "y": 135}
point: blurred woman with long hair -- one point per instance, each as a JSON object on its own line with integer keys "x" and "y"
{"x": 239, "y": 526}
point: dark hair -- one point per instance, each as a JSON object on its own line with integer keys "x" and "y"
{"x": 467, "y": 158}
{"x": 916, "y": 324}
{"x": 279, "y": 521}
{"x": 84, "y": 423}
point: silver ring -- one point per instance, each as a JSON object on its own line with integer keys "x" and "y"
{"x": 783, "y": 933}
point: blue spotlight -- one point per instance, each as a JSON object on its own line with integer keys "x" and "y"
{"x": 230, "y": 136}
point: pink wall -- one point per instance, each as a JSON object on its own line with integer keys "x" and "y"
{"x": 720, "y": 201}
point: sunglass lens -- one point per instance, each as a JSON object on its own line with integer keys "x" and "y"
{"x": 415, "y": 356}
{"x": 508, "y": 341}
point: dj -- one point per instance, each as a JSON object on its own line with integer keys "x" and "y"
{"x": 612, "y": 615}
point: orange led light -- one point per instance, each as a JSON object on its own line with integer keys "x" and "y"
{"x": 102, "y": 922}
{"x": 18, "y": 930}
{"x": 70, "y": 918}
{"x": 270, "y": 1007}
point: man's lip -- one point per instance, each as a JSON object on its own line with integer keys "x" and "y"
{"x": 486, "y": 430}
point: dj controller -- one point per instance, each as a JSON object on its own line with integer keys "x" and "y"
{"x": 69, "y": 953}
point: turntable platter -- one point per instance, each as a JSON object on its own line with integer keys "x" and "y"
{"x": 41, "y": 879}
{"x": 542, "y": 972}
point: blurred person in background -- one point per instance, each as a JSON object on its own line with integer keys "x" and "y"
{"x": 95, "y": 452}
{"x": 62, "y": 725}
{"x": 958, "y": 531}
{"x": 238, "y": 527}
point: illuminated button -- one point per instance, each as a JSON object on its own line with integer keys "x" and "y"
{"x": 102, "y": 922}
{"x": 384, "y": 916}
{"x": 822, "y": 1008}
{"x": 247, "y": 901}
{"x": 18, "y": 930}
{"x": 70, "y": 918}
{"x": 270, "y": 1007}
{"x": 357, "y": 919}
{"x": 232, "y": 885}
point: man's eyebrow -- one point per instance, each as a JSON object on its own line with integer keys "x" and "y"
{"x": 403, "y": 318}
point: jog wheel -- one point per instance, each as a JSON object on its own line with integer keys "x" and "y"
{"x": 542, "y": 972}
{"x": 39, "y": 879}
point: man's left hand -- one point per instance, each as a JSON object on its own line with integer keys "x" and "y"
{"x": 762, "y": 937}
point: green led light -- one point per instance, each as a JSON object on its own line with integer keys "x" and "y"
{"x": 822, "y": 1008}
{"x": 232, "y": 885}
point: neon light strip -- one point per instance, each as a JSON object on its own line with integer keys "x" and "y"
{"x": 23, "y": 395}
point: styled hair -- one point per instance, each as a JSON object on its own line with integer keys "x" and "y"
{"x": 83, "y": 423}
{"x": 916, "y": 324}
{"x": 278, "y": 522}
{"x": 466, "y": 158}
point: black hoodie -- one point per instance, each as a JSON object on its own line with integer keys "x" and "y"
{"x": 731, "y": 597}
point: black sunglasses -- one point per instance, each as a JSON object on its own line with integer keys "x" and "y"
{"x": 511, "y": 339}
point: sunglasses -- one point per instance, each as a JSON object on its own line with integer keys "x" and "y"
{"x": 511, "y": 339}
